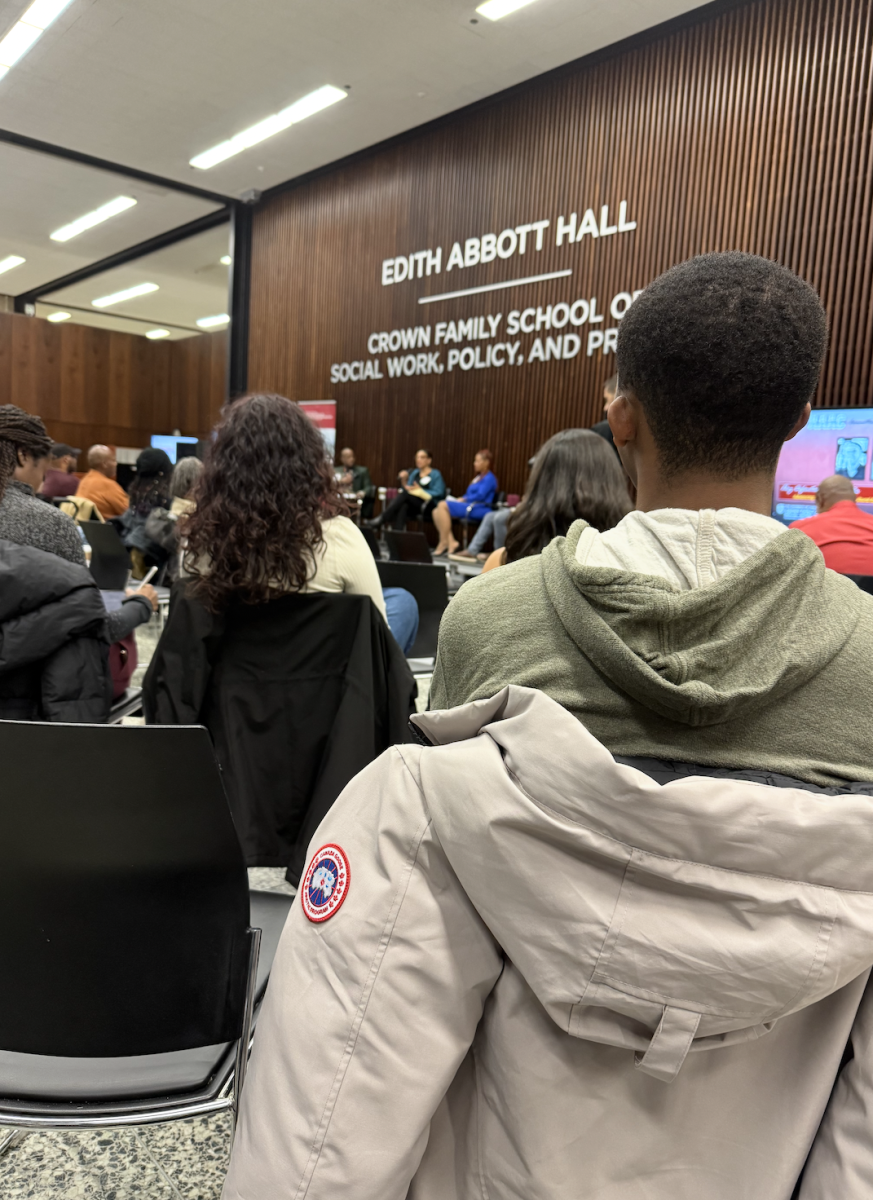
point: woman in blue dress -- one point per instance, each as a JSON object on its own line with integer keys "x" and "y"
{"x": 474, "y": 504}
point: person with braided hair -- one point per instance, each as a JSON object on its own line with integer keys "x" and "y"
{"x": 28, "y": 521}
{"x": 24, "y": 518}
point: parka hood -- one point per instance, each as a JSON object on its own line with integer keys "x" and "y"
{"x": 659, "y": 917}
{"x": 712, "y": 653}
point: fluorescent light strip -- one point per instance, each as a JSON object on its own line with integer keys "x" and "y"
{"x": 141, "y": 289}
{"x": 305, "y": 107}
{"x": 495, "y": 9}
{"x": 211, "y": 322}
{"x": 58, "y": 316}
{"x": 11, "y": 260}
{"x": 25, "y": 32}
{"x": 154, "y": 334}
{"x": 111, "y": 209}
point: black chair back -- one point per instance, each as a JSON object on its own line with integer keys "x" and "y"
{"x": 372, "y": 541}
{"x": 429, "y": 586}
{"x": 123, "y": 893}
{"x": 110, "y": 560}
{"x": 407, "y": 547}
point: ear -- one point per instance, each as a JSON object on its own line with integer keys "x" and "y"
{"x": 623, "y": 419}
{"x": 801, "y": 421}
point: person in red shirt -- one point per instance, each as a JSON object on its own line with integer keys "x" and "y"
{"x": 842, "y": 531}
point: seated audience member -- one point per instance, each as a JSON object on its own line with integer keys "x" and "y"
{"x": 602, "y": 428}
{"x": 59, "y": 478}
{"x": 162, "y": 525}
{"x": 23, "y": 517}
{"x": 99, "y": 484}
{"x": 27, "y": 521}
{"x": 477, "y": 501}
{"x": 357, "y": 480}
{"x": 575, "y": 477}
{"x": 53, "y": 638}
{"x": 183, "y": 484}
{"x": 842, "y": 531}
{"x": 268, "y": 519}
{"x": 149, "y": 490}
{"x": 492, "y": 528}
{"x": 421, "y": 489}
{"x": 565, "y": 925}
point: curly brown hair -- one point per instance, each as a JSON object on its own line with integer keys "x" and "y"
{"x": 265, "y": 489}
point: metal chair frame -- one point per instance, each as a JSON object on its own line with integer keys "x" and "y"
{"x": 222, "y": 1093}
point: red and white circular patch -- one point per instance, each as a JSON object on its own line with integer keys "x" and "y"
{"x": 326, "y": 883}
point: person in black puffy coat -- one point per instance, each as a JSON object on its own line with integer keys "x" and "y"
{"x": 54, "y": 650}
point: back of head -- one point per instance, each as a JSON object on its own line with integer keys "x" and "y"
{"x": 98, "y": 457}
{"x": 19, "y": 431}
{"x": 150, "y": 486}
{"x": 265, "y": 489}
{"x": 832, "y": 490}
{"x": 722, "y": 352}
{"x": 575, "y": 475}
{"x": 185, "y": 476}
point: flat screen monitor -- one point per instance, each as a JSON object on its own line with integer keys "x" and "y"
{"x": 837, "y": 441}
{"x": 171, "y": 445}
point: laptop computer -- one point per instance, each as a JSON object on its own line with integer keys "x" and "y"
{"x": 407, "y": 547}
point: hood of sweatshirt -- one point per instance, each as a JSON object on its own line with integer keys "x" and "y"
{"x": 659, "y": 917}
{"x": 704, "y": 654}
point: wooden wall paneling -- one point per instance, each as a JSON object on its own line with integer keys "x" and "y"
{"x": 751, "y": 129}
{"x": 93, "y": 385}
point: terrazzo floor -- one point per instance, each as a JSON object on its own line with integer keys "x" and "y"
{"x": 185, "y": 1160}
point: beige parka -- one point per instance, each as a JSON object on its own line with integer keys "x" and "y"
{"x": 545, "y": 976}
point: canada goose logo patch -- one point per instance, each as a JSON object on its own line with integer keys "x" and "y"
{"x": 326, "y": 883}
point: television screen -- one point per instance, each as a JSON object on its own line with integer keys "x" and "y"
{"x": 171, "y": 445}
{"x": 837, "y": 441}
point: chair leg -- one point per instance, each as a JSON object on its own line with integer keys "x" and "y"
{"x": 14, "y": 1138}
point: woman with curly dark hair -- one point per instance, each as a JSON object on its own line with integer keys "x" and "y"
{"x": 575, "y": 475}
{"x": 269, "y": 520}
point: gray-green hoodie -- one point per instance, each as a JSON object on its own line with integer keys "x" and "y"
{"x": 769, "y": 666}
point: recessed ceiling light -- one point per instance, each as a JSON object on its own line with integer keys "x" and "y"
{"x": 11, "y": 260}
{"x": 210, "y": 322}
{"x": 111, "y": 209}
{"x": 58, "y": 316}
{"x": 141, "y": 289}
{"x": 25, "y": 32}
{"x": 298, "y": 111}
{"x": 495, "y": 9}
{"x": 154, "y": 334}
{"x": 225, "y": 260}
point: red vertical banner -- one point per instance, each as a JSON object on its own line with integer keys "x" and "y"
{"x": 323, "y": 414}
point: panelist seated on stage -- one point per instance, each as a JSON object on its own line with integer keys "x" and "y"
{"x": 421, "y": 489}
{"x": 355, "y": 479}
{"x": 475, "y": 504}
{"x": 842, "y": 531}
{"x": 100, "y": 486}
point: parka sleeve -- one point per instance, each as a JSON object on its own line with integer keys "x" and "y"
{"x": 369, "y": 1013}
{"x": 840, "y": 1164}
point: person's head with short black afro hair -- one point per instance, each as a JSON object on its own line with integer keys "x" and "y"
{"x": 723, "y": 352}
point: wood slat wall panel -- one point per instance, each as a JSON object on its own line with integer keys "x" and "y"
{"x": 93, "y": 385}
{"x": 749, "y": 130}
